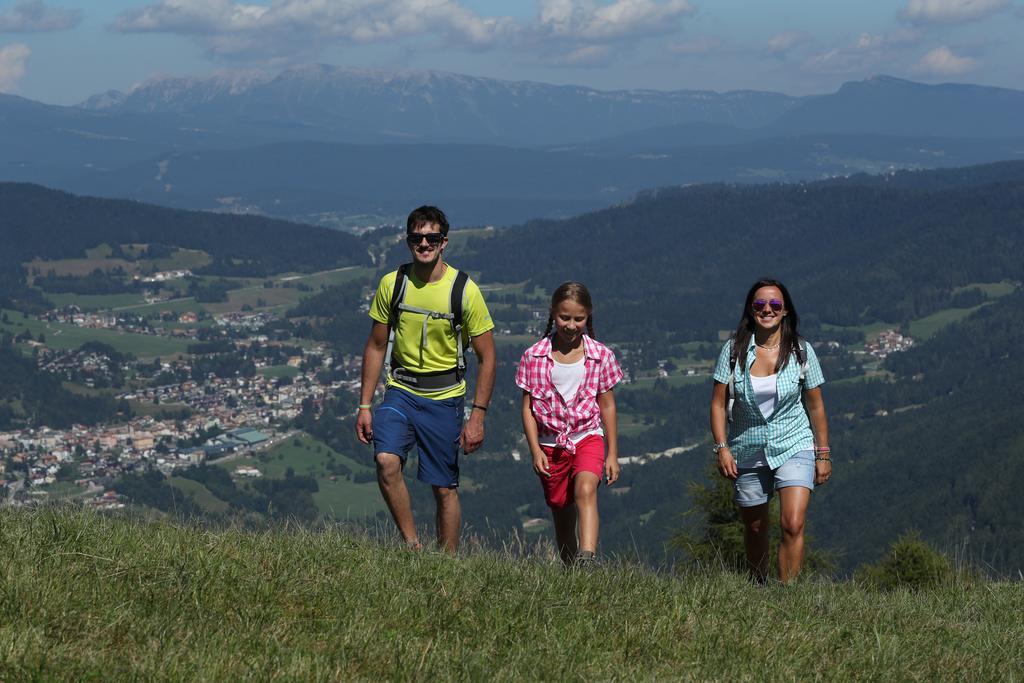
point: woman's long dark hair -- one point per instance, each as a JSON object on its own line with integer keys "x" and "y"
{"x": 575, "y": 291}
{"x": 790, "y": 339}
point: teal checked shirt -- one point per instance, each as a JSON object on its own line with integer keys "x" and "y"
{"x": 787, "y": 430}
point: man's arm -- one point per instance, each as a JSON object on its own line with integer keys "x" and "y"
{"x": 473, "y": 431}
{"x": 373, "y": 361}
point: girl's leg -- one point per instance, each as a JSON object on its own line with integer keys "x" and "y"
{"x": 585, "y": 490}
{"x": 565, "y": 532}
{"x": 794, "y": 501}
{"x": 756, "y": 535}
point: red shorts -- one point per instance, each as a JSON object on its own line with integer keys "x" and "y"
{"x": 589, "y": 457}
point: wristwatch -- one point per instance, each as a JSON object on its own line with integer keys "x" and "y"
{"x": 719, "y": 446}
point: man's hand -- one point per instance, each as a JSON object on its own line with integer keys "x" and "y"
{"x": 364, "y": 426}
{"x": 472, "y": 433}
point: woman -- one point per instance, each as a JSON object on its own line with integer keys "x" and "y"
{"x": 768, "y": 423}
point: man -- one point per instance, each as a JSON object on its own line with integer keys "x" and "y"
{"x": 425, "y": 390}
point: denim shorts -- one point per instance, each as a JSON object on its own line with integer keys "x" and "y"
{"x": 756, "y": 486}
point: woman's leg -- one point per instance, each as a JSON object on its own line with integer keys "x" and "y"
{"x": 793, "y": 503}
{"x": 585, "y": 491}
{"x": 756, "y": 535}
{"x": 565, "y": 532}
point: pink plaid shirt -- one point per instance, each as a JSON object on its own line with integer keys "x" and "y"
{"x": 554, "y": 416}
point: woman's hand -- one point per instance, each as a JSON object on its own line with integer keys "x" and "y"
{"x": 611, "y": 470}
{"x": 540, "y": 464}
{"x": 822, "y": 471}
{"x": 727, "y": 464}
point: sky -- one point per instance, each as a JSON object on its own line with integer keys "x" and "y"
{"x": 63, "y": 51}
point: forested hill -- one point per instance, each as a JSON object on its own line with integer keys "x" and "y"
{"x": 675, "y": 262}
{"x": 940, "y": 448}
{"x": 38, "y": 222}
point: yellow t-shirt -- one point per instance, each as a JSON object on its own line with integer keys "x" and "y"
{"x": 440, "y": 352}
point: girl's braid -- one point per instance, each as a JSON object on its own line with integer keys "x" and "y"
{"x": 551, "y": 325}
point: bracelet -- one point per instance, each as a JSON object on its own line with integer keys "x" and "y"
{"x": 365, "y": 406}
{"x": 822, "y": 449}
{"x": 483, "y": 408}
{"x": 817, "y": 459}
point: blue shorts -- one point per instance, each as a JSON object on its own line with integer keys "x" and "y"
{"x": 434, "y": 426}
{"x": 756, "y": 486}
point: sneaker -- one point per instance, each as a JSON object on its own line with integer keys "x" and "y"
{"x": 585, "y": 559}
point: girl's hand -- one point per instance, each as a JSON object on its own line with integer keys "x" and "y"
{"x": 822, "y": 471}
{"x": 727, "y": 464}
{"x": 540, "y": 464}
{"x": 611, "y": 470}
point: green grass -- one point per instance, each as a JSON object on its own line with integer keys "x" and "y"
{"x": 95, "y": 302}
{"x": 994, "y": 290}
{"x": 90, "y": 597}
{"x": 200, "y": 494}
{"x": 926, "y": 327}
{"x": 60, "y": 336}
{"x": 341, "y": 498}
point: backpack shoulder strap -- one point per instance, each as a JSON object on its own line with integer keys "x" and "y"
{"x": 733, "y": 365}
{"x": 455, "y": 307}
{"x": 801, "y": 357}
{"x": 397, "y": 293}
{"x": 458, "y": 292}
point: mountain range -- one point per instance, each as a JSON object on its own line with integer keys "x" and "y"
{"x": 323, "y": 144}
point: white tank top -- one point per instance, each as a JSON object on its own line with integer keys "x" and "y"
{"x": 766, "y": 395}
{"x": 567, "y": 378}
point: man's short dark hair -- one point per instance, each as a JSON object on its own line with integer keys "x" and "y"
{"x": 426, "y": 215}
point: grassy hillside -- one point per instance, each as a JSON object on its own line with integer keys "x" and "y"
{"x": 86, "y": 597}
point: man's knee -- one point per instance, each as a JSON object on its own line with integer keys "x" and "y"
{"x": 389, "y": 466}
{"x": 445, "y": 495}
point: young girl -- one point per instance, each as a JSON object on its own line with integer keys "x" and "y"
{"x": 569, "y": 419}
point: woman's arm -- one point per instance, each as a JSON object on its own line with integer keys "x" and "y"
{"x": 540, "y": 461}
{"x": 720, "y": 430}
{"x": 610, "y": 422}
{"x": 814, "y": 404}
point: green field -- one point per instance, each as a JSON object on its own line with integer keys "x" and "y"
{"x": 340, "y": 498}
{"x": 95, "y": 302}
{"x": 99, "y": 257}
{"x": 95, "y": 597}
{"x": 200, "y": 494}
{"x": 923, "y": 328}
{"x": 61, "y": 336}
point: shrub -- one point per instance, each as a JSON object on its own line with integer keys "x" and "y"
{"x": 911, "y": 563}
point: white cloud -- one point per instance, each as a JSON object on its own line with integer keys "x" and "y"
{"x": 781, "y": 43}
{"x": 951, "y": 11}
{"x": 12, "y": 65}
{"x": 228, "y": 28}
{"x": 869, "y": 54}
{"x": 944, "y": 62}
{"x": 585, "y": 32}
{"x": 33, "y": 16}
{"x": 573, "y": 32}
{"x": 588, "y": 21}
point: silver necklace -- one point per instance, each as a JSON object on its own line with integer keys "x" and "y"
{"x": 768, "y": 348}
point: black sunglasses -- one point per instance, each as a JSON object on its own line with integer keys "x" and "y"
{"x": 758, "y": 305}
{"x": 432, "y": 238}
